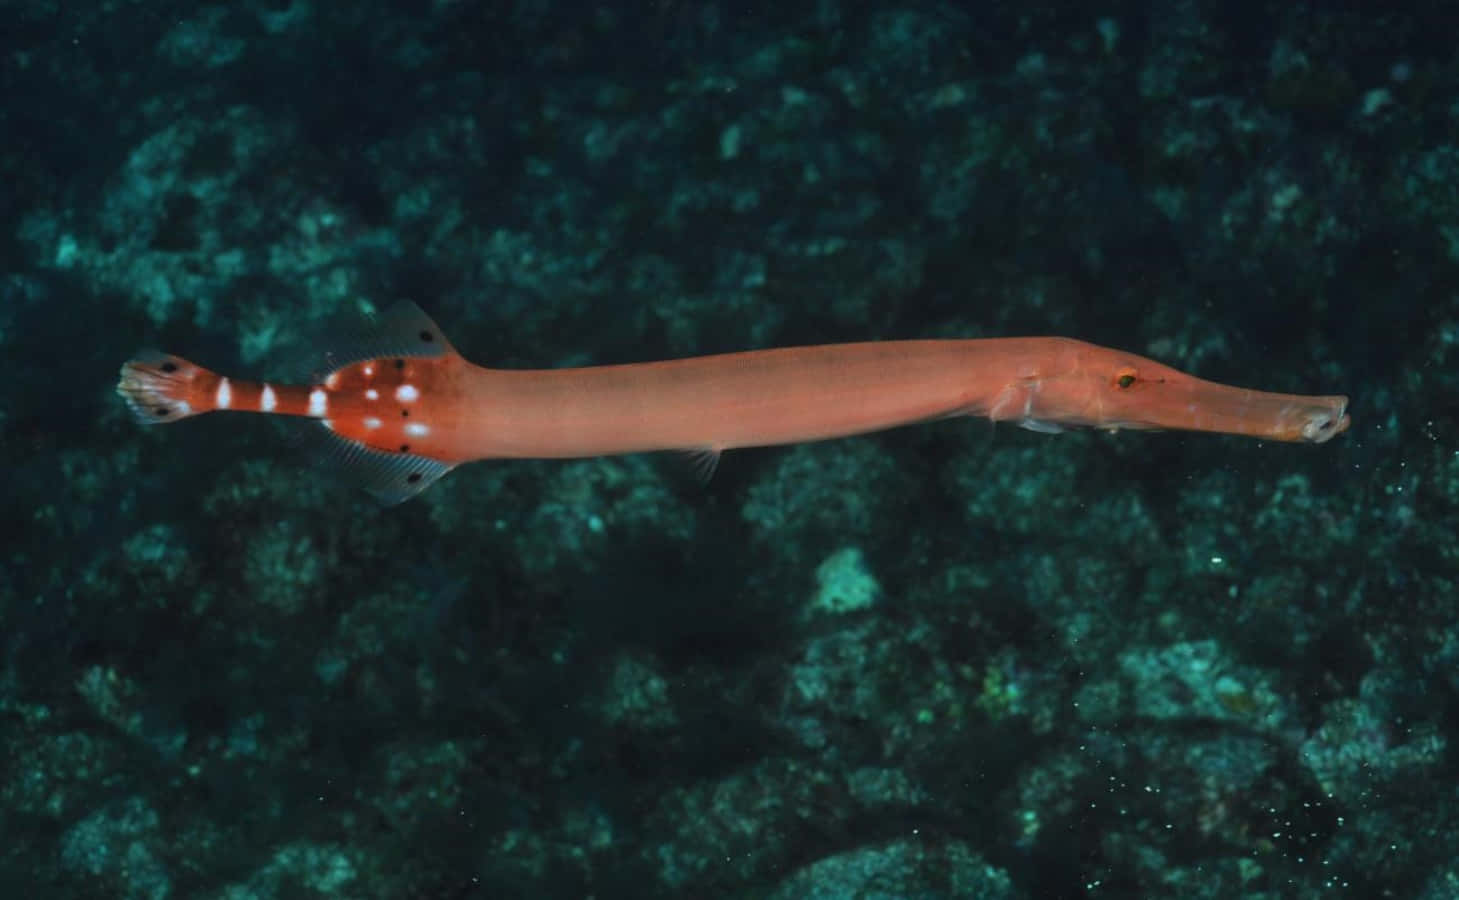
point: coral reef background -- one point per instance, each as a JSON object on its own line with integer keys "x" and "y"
{"x": 945, "y": 661}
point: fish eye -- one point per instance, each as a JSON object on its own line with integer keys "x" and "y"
{"x": 1125, "y": 378}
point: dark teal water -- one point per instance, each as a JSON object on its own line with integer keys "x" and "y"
{"x": 945, "y": 661}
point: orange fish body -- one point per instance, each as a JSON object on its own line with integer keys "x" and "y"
{"x": 408, "y": 407}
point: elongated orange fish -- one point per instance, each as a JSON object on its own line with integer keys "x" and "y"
{"x": 407, "y": 407}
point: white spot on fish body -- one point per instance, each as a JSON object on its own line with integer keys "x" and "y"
{"x": 318, "y": 403}
{"x": 371, "y": 422}
{"x": 372, "y": 394}
{"x": 407, "y": 393}
{"x": 369, "y": 370}
{"x": 224, "y": 398}
{"x": 268, "y": 400}
{"x": 332, "y": 381}
{"x": 415, "y": 429}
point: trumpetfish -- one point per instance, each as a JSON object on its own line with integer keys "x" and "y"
{"x": 406, "y": 407}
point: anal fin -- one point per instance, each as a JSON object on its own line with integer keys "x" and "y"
{"x": 390, "y": 478}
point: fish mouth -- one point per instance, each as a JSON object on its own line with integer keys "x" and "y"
{"x": 1321, "y": 424}
{"x": 1302, "y": 420}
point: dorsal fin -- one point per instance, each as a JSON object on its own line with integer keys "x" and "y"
{"x": 403, "y": 329}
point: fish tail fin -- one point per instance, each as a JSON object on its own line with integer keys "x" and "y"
{"x": 159, "y": 387}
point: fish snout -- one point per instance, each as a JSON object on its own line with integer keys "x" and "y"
{"x": 1323, "y": 423}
